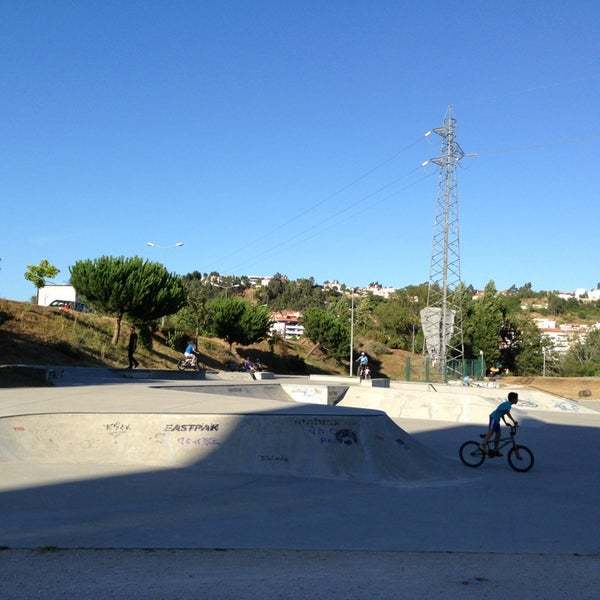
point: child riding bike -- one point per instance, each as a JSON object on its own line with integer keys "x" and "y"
{"x": 190, "y": 354}
{"x": 502, "y": 412}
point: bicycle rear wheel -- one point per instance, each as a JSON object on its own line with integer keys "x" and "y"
{"x": 471, "y": 454}
{"x": 520, "y": 459}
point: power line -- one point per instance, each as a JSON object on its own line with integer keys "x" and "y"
{"x": 294, "y": 241}
{"x": 541, "y": 146}
{"x": 334, "y": 215}
{"x": 536, "y": 88}
{"x": 316, "y": 205}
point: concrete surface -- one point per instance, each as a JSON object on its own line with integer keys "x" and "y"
{"x": 292, "y": 440}
{"x": 294, "y": 575}
{"x": 453, "y": 403}
{"x": 484, "y": 533}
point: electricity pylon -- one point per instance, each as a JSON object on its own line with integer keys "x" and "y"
{"x": 442, "y": 319}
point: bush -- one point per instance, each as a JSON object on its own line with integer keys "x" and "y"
{"x": 177, "y": 340}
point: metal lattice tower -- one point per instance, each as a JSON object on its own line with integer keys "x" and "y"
{"x": 442, "y": 319}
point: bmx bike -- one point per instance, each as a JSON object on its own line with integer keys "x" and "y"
{"x": 187, "y": 364}
{"x": 520, "y": 458}
{"x": 364, "y": 372}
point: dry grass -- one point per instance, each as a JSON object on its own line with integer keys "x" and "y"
{"x": 568, "y": 387}
{"x": 39, "y": 335}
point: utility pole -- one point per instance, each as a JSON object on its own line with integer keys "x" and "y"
{"x": 544, "y": 364}
{"x": 352, "y": 333}
{"x": 442, "y": 318}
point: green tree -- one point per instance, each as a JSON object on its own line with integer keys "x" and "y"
{"x": 256, "y": 322}
{"x": 484, "y": 324}
{"x": 523, "y": 351}
{"x": 583, "y": 358}
{"x": 556, "y": 306}
{"x": 38, "y": 274}
{"x": 397, "y": 320}
{"x": 194, "y": 316}
{"x": 237, "y": 321}
{"x": 331, "y": 332}
{"x": 119, "y": 286}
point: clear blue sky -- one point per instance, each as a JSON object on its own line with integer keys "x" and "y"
{"x": 216, "y": 123}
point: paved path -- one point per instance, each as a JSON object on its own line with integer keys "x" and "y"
{"x": 293, "y": 575}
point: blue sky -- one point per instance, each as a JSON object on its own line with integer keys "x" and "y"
{"x": 217, "y": 123}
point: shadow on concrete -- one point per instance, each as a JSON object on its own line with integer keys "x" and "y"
{"x": 549, "y": 509}
{"x": 282, "y": 363}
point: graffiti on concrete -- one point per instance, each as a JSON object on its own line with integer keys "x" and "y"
{"x": 192, "y": 427}
{"x": 203, "y": 441}
{"x": 346, "y": 437}
{"x": 273, "y": 458}
{"x": 117, "y": 428}
{"x": 567, "y": 406}
{"x": 317, "y": 421}
{"x": 527, "y": 404}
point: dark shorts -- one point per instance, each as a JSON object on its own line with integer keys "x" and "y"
{"x": 494, "y": 425}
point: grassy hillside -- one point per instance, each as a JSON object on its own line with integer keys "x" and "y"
{"x": 39, "y": 335}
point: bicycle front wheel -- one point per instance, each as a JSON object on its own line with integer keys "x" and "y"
{"x": 520, "y": 458}
{"x": 471, "y": 454}
{"x": 181, "y": 365}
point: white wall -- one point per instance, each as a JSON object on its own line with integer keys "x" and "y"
{"x": 49, "y": 293}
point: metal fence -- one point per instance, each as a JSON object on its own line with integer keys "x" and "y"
{"x": 420, "y": 368}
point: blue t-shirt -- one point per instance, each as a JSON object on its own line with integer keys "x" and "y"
{"x": 363, "y": 360}
{"x": 501, "y": 410}
{"x": 190, "y": 349}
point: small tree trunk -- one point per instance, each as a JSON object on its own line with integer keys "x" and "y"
{"x": 117, "y": 329}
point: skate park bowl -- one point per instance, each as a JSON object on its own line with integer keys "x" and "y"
{"x": 134, "y": 465}
{"x": 357, "y": 445}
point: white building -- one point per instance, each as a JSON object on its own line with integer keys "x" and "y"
{"x": 379, "y": 290}
{"x": 56, "y": 291}
{"x": 259, "y": 280}
{"x": 334, "y": 285}
{"x": 545, "y": 323}
{"x": 566, "y": 295}
{"x": 287, "y": 324}
{"x": 594, "y": 295}
{"x": 561, "y": 340}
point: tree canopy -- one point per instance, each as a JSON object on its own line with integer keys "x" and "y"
{"x": 140, "y": 289}
{"x": 329, "y": 330}
{"x": 38, "y": 274}
{"x": 238, "y": 321}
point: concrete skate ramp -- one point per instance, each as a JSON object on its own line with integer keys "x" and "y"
{"x": 420, "y": 404}
{"x": 270, "y": 391}
{"x": 529, "y": 399}
{"x": 334, "y": 445}
{"x": 284, "y": 392}
{"x": 454, "y": 404}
